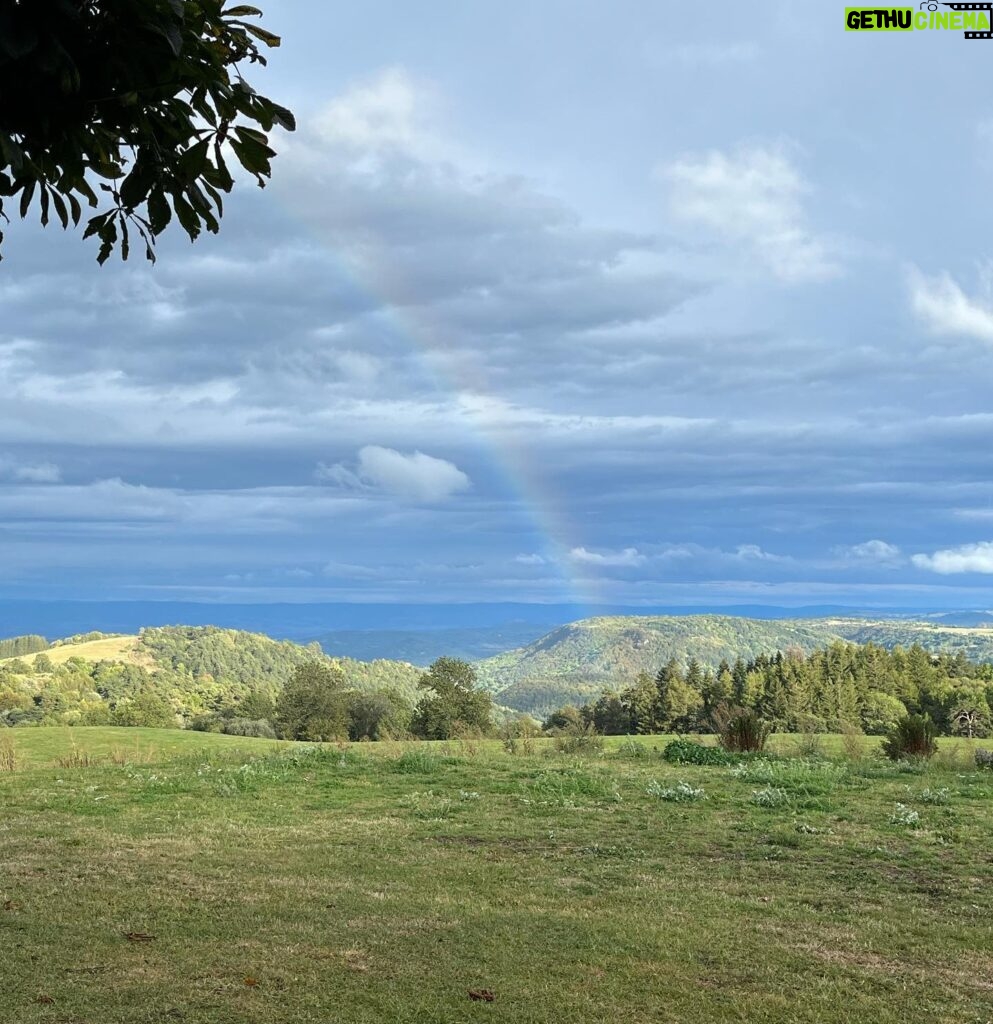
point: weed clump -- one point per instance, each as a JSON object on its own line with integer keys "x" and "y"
{"x": 984, "y": 758}
{"x": 8, "y": 756}
{"x": 519, "y": 735}
{"x": 631, "y": 748}
{"x": 905, "y": 816}
{"x": 586, "y": 742}
{"x": 412, "y": 762}
{"x": 76, "y": 758}
{"x": 682, "y": 751}
{"x": 770, "y": 796}
{"x": 742, "y": 731}
{"x": 806, "y": 776}
{"x": 683, "y": 792}
{"x": 913, "y": 737}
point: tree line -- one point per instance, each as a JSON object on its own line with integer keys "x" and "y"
{"x": 843, "y": 684}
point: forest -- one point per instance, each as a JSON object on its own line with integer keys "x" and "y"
{"x": 842, "y": 685}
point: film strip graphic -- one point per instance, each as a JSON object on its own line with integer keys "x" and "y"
{"x": 988, "y": 7}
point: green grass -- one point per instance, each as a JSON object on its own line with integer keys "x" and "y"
{"x": 382, "y": 882}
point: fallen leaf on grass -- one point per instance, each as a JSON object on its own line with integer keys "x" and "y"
{"x": 251, "y": 982}
{"x": 11, "y": 905}
{"x": 138, "y": 937}
{"x": 44, "y": 1000}
{"x": 481, "y": 995}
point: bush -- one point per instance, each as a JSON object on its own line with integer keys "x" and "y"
{"x": 984, "y": 758}
{"x": 586, "y": 742}
{"x": 518, "y": 735}
{"x": 914, "y": 736}
{"x": 630, "y": 747}
{"x": 250, "y": 727}
{"x": 743, "y": 732}
{"x": 681, "y": 751}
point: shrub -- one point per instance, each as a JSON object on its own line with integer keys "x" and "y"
{"x": 630, "y": 747}
{"x": 518, "y": 735}
{"x": 914, "y": 736}
{"x": 681, "y": 793}
{"x": 681, "y": 751}
{"x": 742, "y": 731}
{"x": 208, "y": 722}
{"x": 984, "y": 758}
{"x": 249, "y": 727}
{"x": 586, "y": 742}
{"x": 853, "y": 740}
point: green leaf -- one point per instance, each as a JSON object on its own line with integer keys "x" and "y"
{"x": 194, "y": 160}
{"x": 75, "y": 208}
{"x": 283, "y": 117}
{"x": 159, "y": 213}
{"x": 187, "y": 216}
{"x": 242, "y": 11}
{"x": 269, "y": 38}
{"x": 26, "y": 194}
{"x": 60, "y": 209}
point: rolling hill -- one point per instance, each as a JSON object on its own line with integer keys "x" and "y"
{"x": 578, "y": 661}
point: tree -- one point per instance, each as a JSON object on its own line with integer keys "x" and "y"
{"x": 566, "y": 719}
{"x": 642, "y": 702}
{"x": 313, "y": 705}
{"x": 678, "y": 703}
{"x": 138, "y": 97}
{"x": 377, "y": 715}
{"x": 609, "y": 716}
{"x": 451, "y": 699}
{"x": 147, "y": 709}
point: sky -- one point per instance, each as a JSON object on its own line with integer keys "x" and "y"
{"x": 623, "y": 302}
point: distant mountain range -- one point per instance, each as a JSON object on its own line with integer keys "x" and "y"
{"x": 417, "y": 633}
{"x": 568, "y": 664}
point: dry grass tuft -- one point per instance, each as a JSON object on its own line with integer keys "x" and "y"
{"x": 8, "y": 755}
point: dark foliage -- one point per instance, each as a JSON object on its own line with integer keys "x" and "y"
{"x": 683, "y": 751}
{"x": 136, "y": 99}
{"x": 914, "y": 736}
{"x": 741, "y": 731}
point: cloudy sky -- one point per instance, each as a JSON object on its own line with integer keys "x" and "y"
{"x": 621, "y": 302}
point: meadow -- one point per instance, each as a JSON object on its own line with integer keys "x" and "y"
{"x": 161, "y": 875}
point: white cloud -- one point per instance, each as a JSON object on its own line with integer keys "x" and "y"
{"x": 944, "y": 308}
{"x": 878, "y": 552}
{"x": 388, "y": 111}
{"x": 753, "y": 195}
{"x": 31, "y": 473}
{"x": 967, "y": 558}
{"x": 418, "y": 476}
{"x": 627, "y": 559}
{"x": 533, "y": 559}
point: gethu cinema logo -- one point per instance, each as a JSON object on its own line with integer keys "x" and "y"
{"x": 973, "y": 19}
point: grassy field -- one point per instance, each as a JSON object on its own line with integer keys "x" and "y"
{"x": 112, "y": 648}
{"x": 195, "y": 878}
